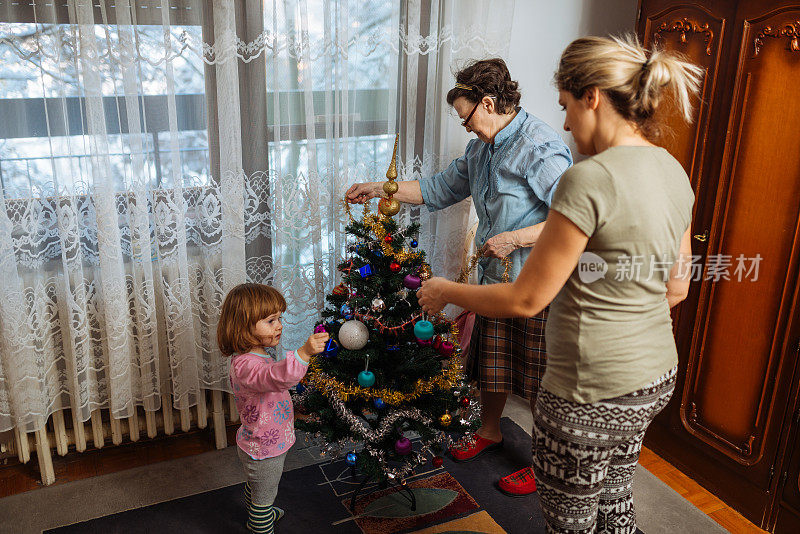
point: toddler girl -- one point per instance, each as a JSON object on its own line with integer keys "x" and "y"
{"x": 249, "y": 322}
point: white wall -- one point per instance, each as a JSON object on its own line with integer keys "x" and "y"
{"x": 541, "y": 29}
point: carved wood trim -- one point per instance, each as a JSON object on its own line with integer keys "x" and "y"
{"x": 685, "y": 25}
{"x": 691, "y": 419}
{"x": 791, "y": 30}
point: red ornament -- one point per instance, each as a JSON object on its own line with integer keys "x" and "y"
{"x": 465, "y": 402}
{"x": 437, "y": 461}
{"x": 341, "y": 289}
{"x": 388, "y": 238}
{"x": 394, "y": 267}
{"x": 437, "y": 343}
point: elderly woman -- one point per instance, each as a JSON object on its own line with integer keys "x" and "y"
{"x": 511, "y": 171}
{"x": 611, "y": 353}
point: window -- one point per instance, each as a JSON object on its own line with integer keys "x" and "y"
{"x": 44, "y": 148}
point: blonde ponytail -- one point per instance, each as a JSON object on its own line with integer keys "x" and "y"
{"x": 635, "y": 81}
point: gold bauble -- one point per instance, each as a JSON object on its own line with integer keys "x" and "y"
{"x": 389, "y": 206}
{"x": 390, "y": 187}
{"x": 425, "y": 271}
{"x": 445, "y": 420}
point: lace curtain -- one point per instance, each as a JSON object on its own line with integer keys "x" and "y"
{"x": 155, "y": 153}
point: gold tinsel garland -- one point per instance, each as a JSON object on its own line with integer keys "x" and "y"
{"x": 447, "y": 379}
{"x": 373, "y": 222}
{"x": 326, "y": 384}
{"x": 473, "y": 262}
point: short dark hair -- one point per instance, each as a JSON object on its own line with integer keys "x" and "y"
{"x": 244, "y": 306}
{"x": 487, "y": 77}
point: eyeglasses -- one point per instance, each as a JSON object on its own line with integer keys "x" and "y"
{"x": 471, "y": 113}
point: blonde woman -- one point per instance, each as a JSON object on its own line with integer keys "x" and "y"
{"x": 610, "y": 259}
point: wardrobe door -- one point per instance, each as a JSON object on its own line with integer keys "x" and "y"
{"x": 737, "y": 357}
{"x": 739, "y": 339}
{"x": 788, "y": 505}
{"x": 698, "y": 31}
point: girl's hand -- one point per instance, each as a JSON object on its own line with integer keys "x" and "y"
{"x": 360, "y": 193}
{"x": 431, "y": 295}
{"x": 314, "y": 345}
{"x": 500, "y": 246}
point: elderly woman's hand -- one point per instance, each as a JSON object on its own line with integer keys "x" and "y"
{"x": 360, "y": 193}
{"x": 501, "y": 245}
{"x": 431, "y": 295}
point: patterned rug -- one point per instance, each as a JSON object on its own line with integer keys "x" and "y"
{"x": 457, "y": 498}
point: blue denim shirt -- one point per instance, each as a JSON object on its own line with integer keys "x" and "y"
{"x": 511, "y": 182}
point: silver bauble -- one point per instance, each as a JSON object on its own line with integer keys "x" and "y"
{"x": 353, "y": 335}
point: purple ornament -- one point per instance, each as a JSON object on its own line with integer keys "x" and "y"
{"x": 412, "y": 281}
{"x": 403, "y": 446}
{"x": 446, "y": 349}
{"x": 320, "y": 329}
{"x": 424, "y": 342}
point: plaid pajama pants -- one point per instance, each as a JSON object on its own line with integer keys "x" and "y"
{"x": 508, "y": 355}
{"x": 584, "y": 457}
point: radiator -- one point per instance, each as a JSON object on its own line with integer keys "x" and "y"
{"x": 62, "y": 430}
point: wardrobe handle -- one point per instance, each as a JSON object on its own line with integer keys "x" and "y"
{"x": 702, "y": 237}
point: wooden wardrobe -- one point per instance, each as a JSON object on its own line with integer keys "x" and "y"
{"x": 733, "y": 422}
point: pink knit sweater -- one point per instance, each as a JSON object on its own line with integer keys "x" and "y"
{"x": 261, "y": 390}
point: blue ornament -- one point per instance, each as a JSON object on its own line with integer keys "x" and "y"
{"x": 366, "y": 379}
{"x": 300, "y": 389}
{"x": 345, "y": 310}
{"x": 365, "y": 271}
{"x": 331, "y": 349}
{"x": 351, "y": 459}
{"x": 379, "y": 404}
{"x": 379, "y": 253}
{"x": 423, "y": 330}
{"x": 414, "y": 243}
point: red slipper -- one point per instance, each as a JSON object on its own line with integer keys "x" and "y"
{"x": 471, "y": 447}
{"x": 518, "y": 484}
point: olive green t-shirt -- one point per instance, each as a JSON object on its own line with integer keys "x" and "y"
{"x": 609, "y": 331}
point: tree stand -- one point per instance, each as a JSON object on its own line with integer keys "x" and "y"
{"x": 402, "y": 487}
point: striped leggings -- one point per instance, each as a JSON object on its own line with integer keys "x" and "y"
{"x": 584, "y": 457}
{"x": 263, "y": 477}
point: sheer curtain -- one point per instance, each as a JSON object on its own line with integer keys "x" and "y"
{"x": 155, "y": 153}
{"x": 439, "y": 39}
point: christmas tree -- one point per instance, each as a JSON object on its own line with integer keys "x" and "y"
{"x": 388, "y": 372}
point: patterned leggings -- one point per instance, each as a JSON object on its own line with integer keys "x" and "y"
{"x": 584, "y": 457}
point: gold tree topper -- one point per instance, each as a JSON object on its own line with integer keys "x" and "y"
{"x": 389, "y": 206}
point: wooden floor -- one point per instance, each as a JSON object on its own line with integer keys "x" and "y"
{"x": 693, "y": 492}
{"x": 17, "y": 478}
